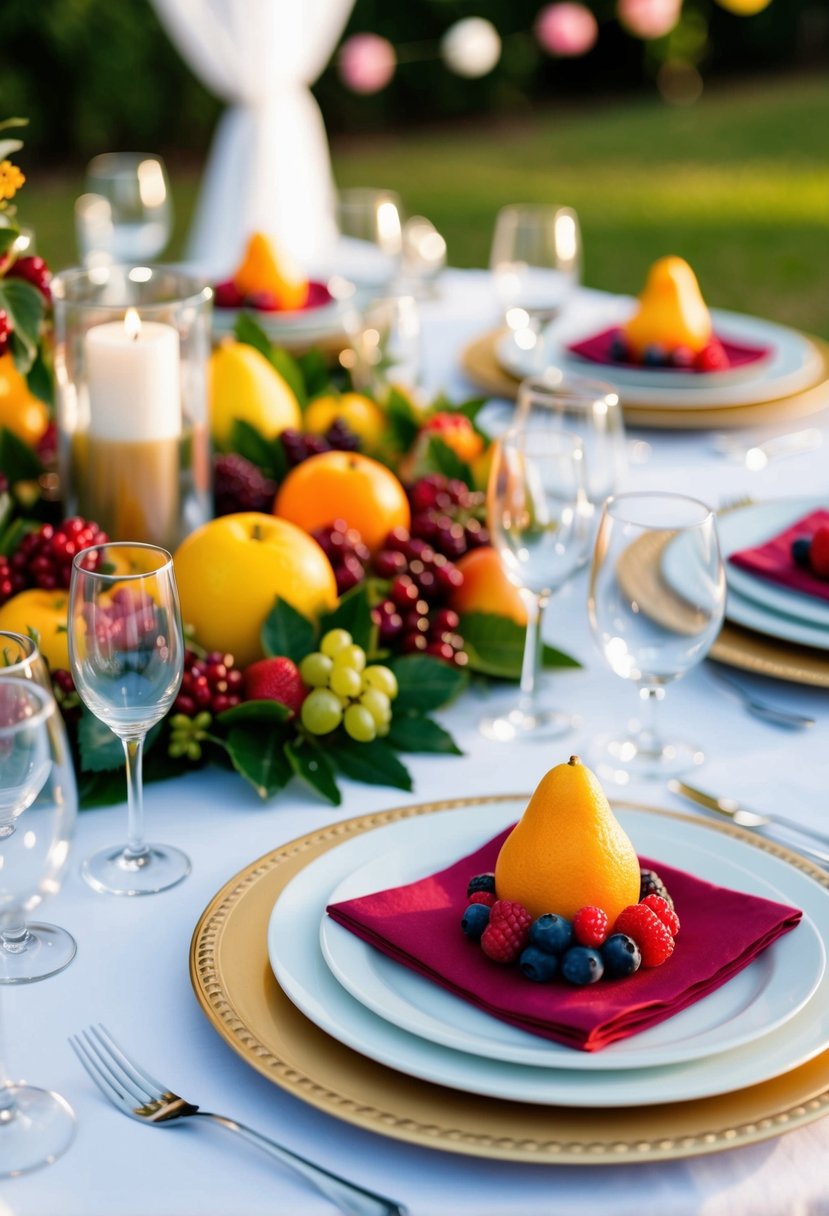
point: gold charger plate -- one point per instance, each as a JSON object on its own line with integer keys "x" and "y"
{"x": 480, "y": 364}
{"x": 240, "y": 996}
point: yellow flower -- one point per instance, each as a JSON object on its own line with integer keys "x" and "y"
{"x": 11, "y": 179}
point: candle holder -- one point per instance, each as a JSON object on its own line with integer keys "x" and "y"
{"x": 131, "y": 352}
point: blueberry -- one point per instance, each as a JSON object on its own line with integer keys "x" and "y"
{"x": 620, "y": 955}
{"x": 581, "y": 965}
{"x": 475, "y": 920}
{"x": 537, "y": 965}
{"x": 654, "y": 356}
{"x": 551, "y": 933}
{"x": 800, "y": 551}
{"x": 619, "y": 349}
{"x": 481, "y": 882}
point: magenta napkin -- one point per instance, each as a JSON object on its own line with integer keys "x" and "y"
{"x": 599, "y": 349}
{"x": 773, "y": 559}
{"x": 418, "y": 925}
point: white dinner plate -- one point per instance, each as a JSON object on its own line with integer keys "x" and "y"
{"x": 298, "y": 963}
{"x": 302, "y": 325}
{"x": 794, "y": 364}
{"x": 743, "y": 611}
{"x": 754, "y": 1002}
{"x": 754, "y": 524}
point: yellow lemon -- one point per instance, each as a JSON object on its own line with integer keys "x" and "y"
{"x": 243, "y": 384}
{"x": 360, "y": 414}
{"x": 45, "y": 612}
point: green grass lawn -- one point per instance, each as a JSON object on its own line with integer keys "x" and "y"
{"x": 738, "y": 184}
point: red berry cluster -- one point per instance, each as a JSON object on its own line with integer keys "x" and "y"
{"x": 32, "y": 270}
{"x": 711, "y": 358}
{"x": 299, "y": 446}
{"x": 344, "y": 548}
{"x": 6, "y": 330}
{"x": 413, "y": 616}
{"x": 44, "y": 558}
{"x": 240, "y": 485}
{"x": 506, "y": 934}
{"x": 653, "y": 925}
{"x": 447, "y": 514}
{"x": 211, "y": 683}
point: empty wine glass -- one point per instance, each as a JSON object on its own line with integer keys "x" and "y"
{"x": 32, "y": 950}
{"x": 536, "y": 518}
{"x": 126, "y": 214}
{"x": 126, "y": 651}
{"x": 370, "y": 224}
{"x": 36, "y": 1126}
{"x": 535, "y": 260}
{"x": 655, "y": 604}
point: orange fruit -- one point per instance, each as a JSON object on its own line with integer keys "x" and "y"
{"x": 243, "y": 384}
{"x": 231, "y": 570}
{"x": 360, "y": 414}
{"x": 46, "y": 612}
{"x": 486, "y": 587}
{"x": 568, "y": 850}
{"x": 20, "y": 411}
{"x": 264, "y": 270}
{"x": 344, "y": 485}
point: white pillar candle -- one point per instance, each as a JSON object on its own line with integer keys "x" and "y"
{"x": 133, "y": 379}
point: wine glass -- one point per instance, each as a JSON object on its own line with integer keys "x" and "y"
{"x": 370, "y": 248}
{"x": 126, "y": 651}
{"x": 385, "y": 340}
{"x": 590, "y": 409}
{"x": 126, "y": 213}
{"x": 535, "y": 260}
{"x": 655, "y": 604}
{"x": 36, "y": 1126}
{"x": 537, "y": 522}
{"x": 31, "y": 951}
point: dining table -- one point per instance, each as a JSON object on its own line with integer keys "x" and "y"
{"x": 132, "y": 972}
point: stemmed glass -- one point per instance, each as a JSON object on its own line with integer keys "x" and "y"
{"x": 126, "y": 214}
{"x": 370, "y": 224}
{"x": 535, "y": 260}
{"x": 537, "y": 521}
{"x": 655, "y": 603}
{"x": 31, "y": 951}
{"x": 126, "y": 651}
{"x": 36, "y": 1126}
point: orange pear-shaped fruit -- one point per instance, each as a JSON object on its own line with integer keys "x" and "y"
{"x": 671, "y": 310}
{"x": 263, "y": 271}
{"x": 568, "y": 850}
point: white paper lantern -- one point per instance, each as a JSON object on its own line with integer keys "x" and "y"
{"x": 471, "y": 47}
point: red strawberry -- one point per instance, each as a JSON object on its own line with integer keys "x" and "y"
{"x": 506, "y": 934}
{"x": 819, "y": 552}
{"x": 276, "y": 679}
{"x": 652, "y": 937}
{"x": 590, "y": 926}
{"x": 664, "y": 911}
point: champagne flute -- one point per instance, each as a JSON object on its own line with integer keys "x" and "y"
{"x": 655, "y": 603}
{"x": 36, "y": 1126}
{"x": 536, "y": 518}
{"x": 28, "y": 950}
{"x": 126, "y": 651}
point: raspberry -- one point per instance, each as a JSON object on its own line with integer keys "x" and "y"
{"x": 506, "y": 934}
{"x": 481, "y": 882}
{"x": 590, "y": 926}
{"x": 712, "y": 358}
{"x": 239, "y": 485}
{"x": 275, "y": 679}
{"x": 819, "y": 552}
{"x": 44, "y": 558}
{"x": 652, "y": 937}
{"x": 664, "y": 911}
{"x": 482, "y": 897}
{"x": 651, "y": 884}
{"x": 211, "y": 683}
{"x": 35, "y": 271}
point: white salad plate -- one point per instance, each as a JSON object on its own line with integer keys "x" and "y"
{"x": 301, "y": 325}
{"x": 607, "y": 1078}
{"x": 793, "y": 364}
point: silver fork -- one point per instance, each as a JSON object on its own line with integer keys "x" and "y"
{"x": 135, "y": 1092}
{"x": 762, "y": 709}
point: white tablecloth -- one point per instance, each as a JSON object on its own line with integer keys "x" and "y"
{"x": 131, "y": 970}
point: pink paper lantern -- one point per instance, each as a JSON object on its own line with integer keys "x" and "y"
{"x": 566, "y": 30}
{"x": 648, "y": 18}
{"x": 366, "y": 63}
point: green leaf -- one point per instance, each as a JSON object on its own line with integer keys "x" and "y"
{"x": 372, "y": 763}
{"x": 287, "y": 632}
{"x": 314, "y": 368}
{"x": 252, "y": 334}
{"x": 424, "y": 683}
{"x": 255, "y": 713}
{"x": 17, "y": 460}
{"x": 100, "y": 750}
{"x": 256, "y": 751}
{"x": 252, "y": 444}
{"x": 7, "y": 235}
{"x": 310, "y": 762}
{"x": 40, "y": 380}
{"x": 353, "y": 613}
{"x": 101, "y": 789}
{"x": 25, "y": 306}
{"x": 402, "y": 419}
{"x": 410, "y": 733}
{"x": 440, "y": 458}
{"x": 495, "y": 645}
{"x": 291, "y": 373}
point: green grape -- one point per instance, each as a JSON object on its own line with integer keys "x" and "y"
{"x": 359, "y": 724}
{"x": 315, "y": 670}
{"x": 351, "y": 656}
{"x": 321, "y": 712}
{"x": 381, "y": 678}
{"x": 345, "y": 681}
{"x": 334, "y": 641}
{"x": 377, "y": 704}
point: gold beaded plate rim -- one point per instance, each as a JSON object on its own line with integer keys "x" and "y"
{"x": 237, "y": 991}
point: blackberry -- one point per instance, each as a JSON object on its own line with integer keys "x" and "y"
{"x": 239, "y": 485}
{"x": 651, "y": 884}
{"x": 801, "y": 549}
{"x": 481, "y": 882}
{"x": 340, "y": 437}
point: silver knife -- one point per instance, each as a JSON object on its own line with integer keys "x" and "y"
{"x": 744, "y": 817}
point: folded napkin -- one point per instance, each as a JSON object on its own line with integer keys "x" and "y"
{"x": 773, "y": 559}
{"x": 418, "y": 925}
{"x": 599, "y": 349}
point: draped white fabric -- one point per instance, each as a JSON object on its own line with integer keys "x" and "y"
{"x": 269, "y": 167}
